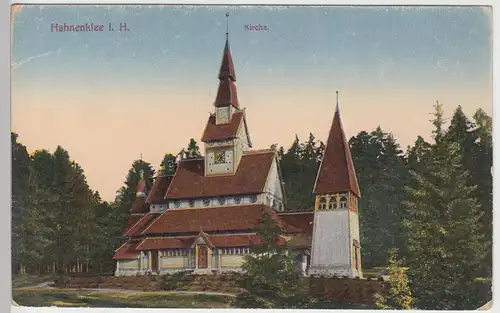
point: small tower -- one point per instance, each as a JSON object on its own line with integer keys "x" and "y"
{"x": 141, "y": 186}
{"x": 335, "y": 243}
{"x": 226, "y": 135}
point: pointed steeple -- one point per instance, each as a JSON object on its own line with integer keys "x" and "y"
{"x": 336, "y": 172}
{"x": 226, "y": 94}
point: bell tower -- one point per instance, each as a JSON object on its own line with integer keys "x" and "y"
{"x": 226, "y": 135}
{"x": 336, "y": 247}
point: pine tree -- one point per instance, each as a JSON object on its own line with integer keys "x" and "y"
{"x": 193, "y": 150}
{"x": 271, "y": 280}
{"x": 168, "y": 165}
{"x": 397, "y": 293}
{"x": 444, "y": 238}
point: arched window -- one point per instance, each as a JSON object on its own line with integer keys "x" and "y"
{"x": 206, "y": 202}
{"x": 333, "y": 205}
{"x": 322, "y": 203}
{"x": 237, "y": 199}
{"x": 343, "y": 202}
{"x": 221, "y": 200}
{"x": 191, "y": 203}
{"x": 177, "y": 203}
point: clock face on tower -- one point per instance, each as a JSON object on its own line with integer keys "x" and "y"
{"x": 219, "y": 157}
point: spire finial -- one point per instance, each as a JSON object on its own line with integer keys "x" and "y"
{"x": 337, "y": 107}
{"x": 227, "y": 26}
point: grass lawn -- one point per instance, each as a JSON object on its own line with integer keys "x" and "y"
{"x": 28, "y": 280}
{"x": 115, "y": 299}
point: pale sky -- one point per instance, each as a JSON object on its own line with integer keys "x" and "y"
{"x": 107, "y": 97}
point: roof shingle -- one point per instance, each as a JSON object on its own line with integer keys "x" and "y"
{"x": 250, "y": 178}
{"x": 230, "y": 218}
{"x": 336, "y": 172}
{"x": 222, "y": 131}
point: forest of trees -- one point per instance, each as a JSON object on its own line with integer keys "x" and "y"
{"x": 432, "y": 202}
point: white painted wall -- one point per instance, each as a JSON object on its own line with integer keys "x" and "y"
{"x": 128, "y": 264}
{"x": 222, "y": 115}
{"x": 232, "y": 260}
{"x": 331, "y": 239}
{"x": 273, "y": 187}
{"x": 213, "y": 202}
{"x": 213, "y": 169}
{"x": 157, "y": 208}
{"x": 354, "y": 222}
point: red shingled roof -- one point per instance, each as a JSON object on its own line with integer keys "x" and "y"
{"x": 132, "y": 220}
{"x": 142, "y": 224}
{"x": 250, "y": 178}
{"x": 241, "y": 217}
{"x": 160, "y": 186}
{"x": 166, "y": 243}
{"x": 227, "y": 94}
{"x": 222, "y": 131}
{"x": 217, "y": 241}
{"x": 139, "y": 206}
{"x": 336, "y": 172}
{"x": 127, "y": 251}
{"x": 297, "y": 222}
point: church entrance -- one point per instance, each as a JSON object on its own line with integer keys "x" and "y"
{"x": 202, "y": 257}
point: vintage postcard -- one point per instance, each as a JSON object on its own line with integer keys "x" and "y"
{"x": 300, "y": 157}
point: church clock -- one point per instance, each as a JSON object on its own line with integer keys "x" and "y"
{"x": 219, "y": 157}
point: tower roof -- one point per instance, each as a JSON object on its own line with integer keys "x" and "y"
{"x": 227, "y": 67}
{"x": 336, "y": 172}
{"x": 226, "y": 93}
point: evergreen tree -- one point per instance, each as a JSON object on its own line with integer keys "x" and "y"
{"x": 397, "y": 293}
{"x": 193, "y": 150}
{"x": 382, "y": 173}
{"x": 20, "y": 189}
{"x": 271, "y": 280}
{"x": 168, "y": 165}
{"x": 444, "y": 239}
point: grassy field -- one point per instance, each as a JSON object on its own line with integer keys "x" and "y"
{"x": 29, "y": 280}
{"x": 112, "y": 299}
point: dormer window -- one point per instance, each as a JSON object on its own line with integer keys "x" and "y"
{"x": 219, "y": 157}
{"x": 237, "y": 199}
{"x": 253, "y": 199}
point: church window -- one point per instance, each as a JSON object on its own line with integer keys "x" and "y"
{"x": 237, "y": 199}
{"x": 191, "y": 203}
{"x": 177, "y": 203}
{"x": 253, "y": 199}
{"x": 219, "y": 157}
{"x": 322, "y": 203}
{"x": 221, "y": 200}
{"x": 206, "y": 202}
{"x": 343, "y": 202}
{"x": 332, "y": 205}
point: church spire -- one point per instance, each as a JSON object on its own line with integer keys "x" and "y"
{"x": 226, "y": 94}
{"x": 336, "y": 172}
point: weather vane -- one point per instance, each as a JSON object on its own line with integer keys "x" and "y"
{"x": 227, "y": 24}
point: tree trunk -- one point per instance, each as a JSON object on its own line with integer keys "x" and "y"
{"x": 87, "y": 266}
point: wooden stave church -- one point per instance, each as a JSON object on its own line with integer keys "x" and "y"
{"x": 204, "y": 218}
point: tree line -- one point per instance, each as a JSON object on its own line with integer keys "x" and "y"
{"x": 432, "y": 203}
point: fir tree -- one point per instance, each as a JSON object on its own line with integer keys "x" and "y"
{"x": 444, "y": 238}
{"x": 271, "y": 280}
{"x": 397, "y": 293}
{"x": 168, "y": 165}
